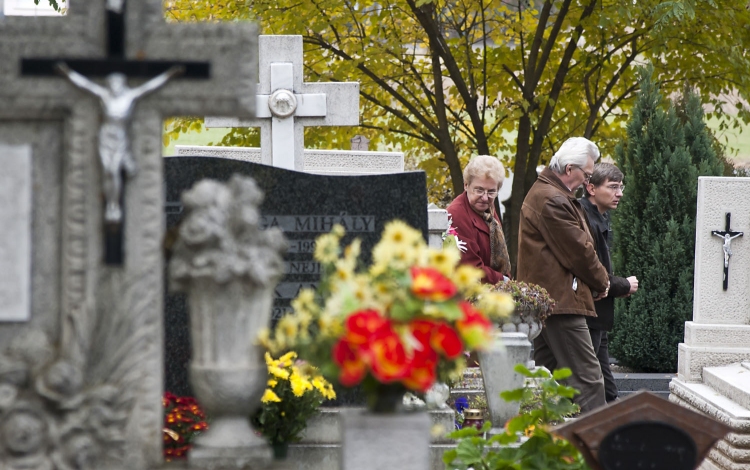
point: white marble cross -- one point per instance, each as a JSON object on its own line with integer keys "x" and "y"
{"x": 285, "y": 104}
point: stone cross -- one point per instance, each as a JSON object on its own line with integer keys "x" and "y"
{"x": 285, "y": 104}
{"x": 118, "y": 102}
{"x": 93, "y": 340}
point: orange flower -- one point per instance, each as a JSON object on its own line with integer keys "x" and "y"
{"x": 446, "y": 341}
{"x": 353, "y": 368}
{"x": 474, "y": 328}
{"x": 360, "y": 326}
{"x": 438, "y": 336}
{"x": 430, "y": 284}
{"x": 423, "y": 371}
{"x": 387, "y": 356}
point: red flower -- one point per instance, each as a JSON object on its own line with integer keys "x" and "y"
{"x": 430, "y": 284}
{"x": 438, "y": 336}
{"x": 360, "y": 326}
{"x": 353, "y": 368}
{"x": 446, "y": 341}
{"x": 423, "y": 370}
{"x": 475, "y": 329}
{"x": 387, "y": 356}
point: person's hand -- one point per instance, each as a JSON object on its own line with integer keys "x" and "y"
{"x": 633, "y": 284}
{"x": 602, "y": 294}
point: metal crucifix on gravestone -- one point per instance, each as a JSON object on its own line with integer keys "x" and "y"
{"x": 285, "y": 104}
{"x": 727, "y": 235}
{"x": 117, "y": 101}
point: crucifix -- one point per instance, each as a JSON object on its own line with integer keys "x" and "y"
{"x": 106, "y": 323}
{"x": 285, "y": 104}
{"x": 117, "y": 102}
{"x": 727, "y": 235}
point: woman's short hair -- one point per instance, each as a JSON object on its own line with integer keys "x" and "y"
{"x": 484, "y": 166}
{"x": 574, "y": 151}
{"x": 604, "y": 172}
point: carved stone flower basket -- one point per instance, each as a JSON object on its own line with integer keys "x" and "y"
{"x": 228, "y": 267}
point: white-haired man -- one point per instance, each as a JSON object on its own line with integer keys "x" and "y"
{"x": 556, "y": 251}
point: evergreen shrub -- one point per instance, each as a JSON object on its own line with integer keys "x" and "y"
{"x": 667, "y": 147}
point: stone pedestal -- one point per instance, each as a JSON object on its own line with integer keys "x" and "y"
{"x": 725, "y": 396}
{"x": 385, "y": 441}
{"x": 497, "y": 365}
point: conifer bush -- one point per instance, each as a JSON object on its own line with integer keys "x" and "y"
{"x": 667, "y": 147}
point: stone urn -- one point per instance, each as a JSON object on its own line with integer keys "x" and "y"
{"x": 228, "y": 267}
{"x": 511, "y": 346}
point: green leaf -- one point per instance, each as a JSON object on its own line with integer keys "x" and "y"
{"x": 469, "y": 452}
{"x": 562, "y": 374}
{"x": 512, "y": 395}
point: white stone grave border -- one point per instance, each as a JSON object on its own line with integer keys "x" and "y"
{"x": 319, "y": 162}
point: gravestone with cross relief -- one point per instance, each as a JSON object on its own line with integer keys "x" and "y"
{"x": 286, "y": 104}
{"x": 713, "y": 366}
{"x": 81, "y": 348}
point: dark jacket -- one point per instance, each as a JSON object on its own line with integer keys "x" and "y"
{"x": 473, "y": 230}
{"x": 555, "y": 246}
{"x": 618, "y": 286}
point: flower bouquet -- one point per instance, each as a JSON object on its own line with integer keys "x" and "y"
{"x": 400, "y": 324}
{"x": 183, "y": 421}
{"x": 293, "y": 395}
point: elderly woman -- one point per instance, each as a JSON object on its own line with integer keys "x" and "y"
{"x": 477, "y": 223}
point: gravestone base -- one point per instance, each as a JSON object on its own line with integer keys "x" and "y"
{"x": 321, "y": 446}
{"x": 711, "y": 345}
{"x": 724, "y": 396}
{"x": 379, "y": 441}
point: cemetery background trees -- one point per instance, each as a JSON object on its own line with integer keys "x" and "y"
{"x": 664, "y": 153}
{"x": 447, "y": 79}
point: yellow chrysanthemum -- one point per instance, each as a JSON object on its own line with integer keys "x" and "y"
{"x": 444, "y": 260}
{"x": 362, "y": 290}
{"x": 338, "y": 230}
{"x": 286, "y": 329}
{"x": 271, "y": 361}
{"x": 330, "y": 325}
{"x": 325, "y": 388}
{"x": 305, "y": 302}
{"x": 327, "y": 248}
{"x": 287, "y": 359}
{"x": 277, "y": 371}
{"x": 299, "y": 383}
{"x": 467, "y": 278}
{"x": 272, "y": 382}
{"x": 351, "y": 253}
{"x": 496, "y": 305}
{"x": 269, "y": 396}
{"x": 399, "y": 233}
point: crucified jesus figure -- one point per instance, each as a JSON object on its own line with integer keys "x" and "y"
{"x": 117, "y": 101}
{"x": 727, "y": 246}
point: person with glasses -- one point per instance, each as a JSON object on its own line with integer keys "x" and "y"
{"x": 556, "y": 251}
{"x": 601, "y": 194}
{"x": 477, "y": 223}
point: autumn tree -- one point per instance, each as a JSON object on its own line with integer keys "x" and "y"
{"x": 446, "y": 79}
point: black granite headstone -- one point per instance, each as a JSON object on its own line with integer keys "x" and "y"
{"x": 304, "y": 206}
{"x": 648, "y": 444}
